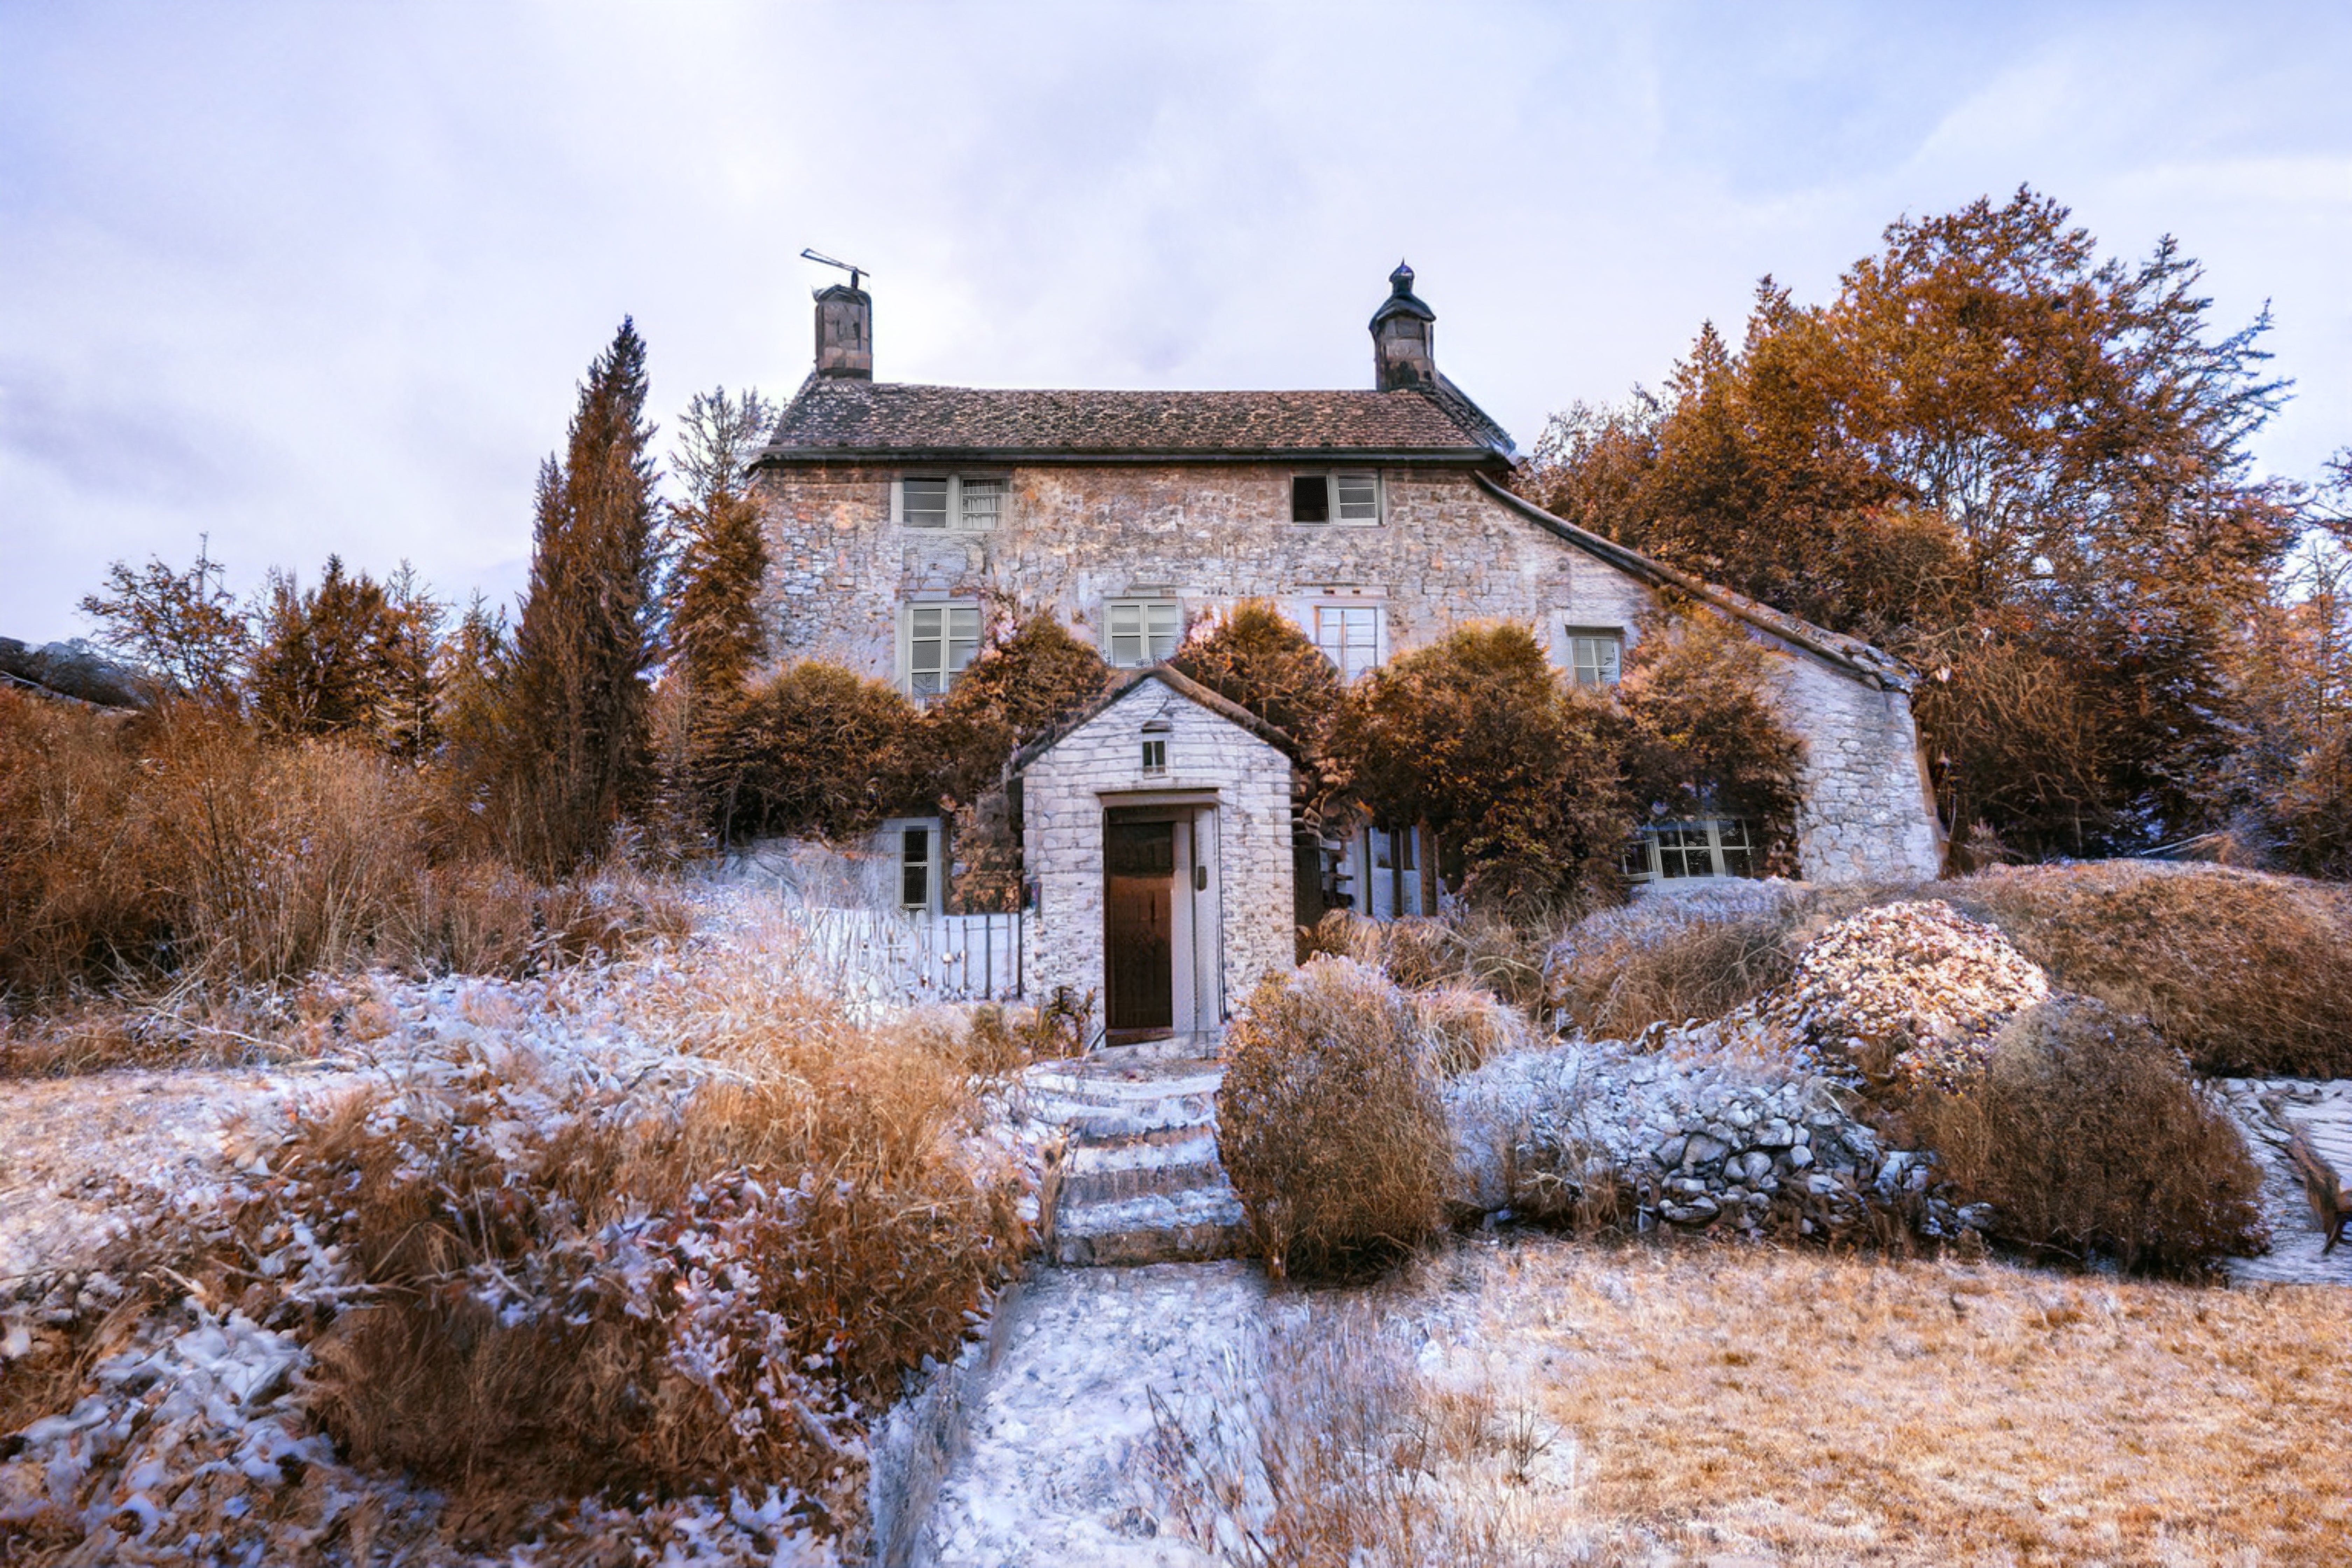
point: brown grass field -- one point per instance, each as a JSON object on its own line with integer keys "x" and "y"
{"x": 1803, "y": 1409}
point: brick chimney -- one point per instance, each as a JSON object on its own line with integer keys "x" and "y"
{"x": 844, "y": 332}
{"x": 1402, "y": 330}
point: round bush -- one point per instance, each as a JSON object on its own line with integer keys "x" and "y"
{"x": 1329, "y": 1120}
{"x": 2086, "y": 1134}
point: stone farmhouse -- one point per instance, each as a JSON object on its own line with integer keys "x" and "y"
{"x": 905, "y": 521}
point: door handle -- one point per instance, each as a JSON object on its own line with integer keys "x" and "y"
{"x": 1200, "y": 879}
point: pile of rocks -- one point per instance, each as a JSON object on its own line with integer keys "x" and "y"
{"x": 1694, "y": 1137}
{"x": 1910, "y": 993}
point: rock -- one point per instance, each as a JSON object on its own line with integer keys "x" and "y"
{"x": 1753, "y": 1166}
{"x": 1775, "y": 1134}
{"x": 1698, "y": 1211}
{"x": 1703, "y": 1150}
{"x": 1799, "y": 1156}
{"x": 1669, "y": 1154}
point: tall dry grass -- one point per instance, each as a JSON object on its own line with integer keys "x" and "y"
{"x": 1329, "y": 1449}
{"x": 178, "y": 845}
{"x": 1329, "y": 1120}
{"x": 655, "y": 1291}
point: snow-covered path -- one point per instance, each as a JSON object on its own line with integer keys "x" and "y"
{"x": 69, "y": 1145}
{"x": 2322, "y": 1109}
{"x": 1056, "y": 1469}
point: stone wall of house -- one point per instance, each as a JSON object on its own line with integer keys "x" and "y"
{"x": 1074, "y": 537}
{"x": 1101, "y": 764}
{"x": 1868, "y": 814}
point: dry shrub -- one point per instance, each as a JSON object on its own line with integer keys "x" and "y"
{"x": 996, "y": 1039}
{"x": 646, "y": 1298}
{"x": 1468, "y": 947}
{"x": 1463, "y": 1028}
{"x": 2245, "y": 971}
{"x": 1669, "y": 958}
{"x": 479, "y": 917}
{"x": 179, "y": 844}
{"x": 1329, "y": 1120}
{"x": 2087, "y": 1135}
{"x": 76, "y": 837}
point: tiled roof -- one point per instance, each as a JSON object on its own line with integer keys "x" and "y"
{"x": 840, "y": 416}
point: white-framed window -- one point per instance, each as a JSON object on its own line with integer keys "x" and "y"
{"x": 1350, "y": 495}
{"x": 1155, "y": 756}
{"x": 910, "y": 849}
{"x": 1593, "y": 656}
{"x": 959, "y": 501}
{"x": 1687, "y": 851}
{"x": 941, "y": 640}
{"x": 1141, "y": 631}
{"x": 1349, "y": 636}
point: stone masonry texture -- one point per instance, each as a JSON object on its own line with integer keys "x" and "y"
{"x": 1074, "y": 536}
{"x": 1099, "y": 764}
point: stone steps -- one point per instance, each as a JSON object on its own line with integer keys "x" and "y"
{"x": 1142, "y": 1181}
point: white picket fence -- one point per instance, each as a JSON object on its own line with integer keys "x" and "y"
{"x": 880, "y": 958}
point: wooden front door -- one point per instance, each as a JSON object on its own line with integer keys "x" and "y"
{"x": 1139, "y": 901}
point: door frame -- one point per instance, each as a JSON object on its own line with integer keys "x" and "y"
{"x": 1196, "y": 913}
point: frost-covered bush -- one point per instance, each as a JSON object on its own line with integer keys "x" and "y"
{"x": 1329, "y": 1120}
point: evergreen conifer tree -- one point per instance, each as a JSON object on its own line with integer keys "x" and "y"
{"x": 577, "y": 739}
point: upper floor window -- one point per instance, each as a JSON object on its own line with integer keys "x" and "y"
{"x": 1595, "y": 655}
{"x": 1682, "y": 851}
{"x": 1349, "y": 636}
{"x": 1345, "y": 496}
{"x": 950, "y": 500}
{"x": 1142, "y": 631}
{"x": 941, "y": 640}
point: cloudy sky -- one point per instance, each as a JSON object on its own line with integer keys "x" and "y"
{"x": 320, "y": 278}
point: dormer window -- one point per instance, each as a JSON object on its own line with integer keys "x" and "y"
{"x": 946, "y": 502}
{"x": 1348, "y": 496}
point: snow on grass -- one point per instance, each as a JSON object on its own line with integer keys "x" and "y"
{"x": 174, "y": 1386}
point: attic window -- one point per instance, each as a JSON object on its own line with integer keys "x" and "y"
{"x": 1352, "y": 497}
{"x": 948, "y": 501}
{"x": 1156, "y": 732}
{"x": 1595, "y": 655}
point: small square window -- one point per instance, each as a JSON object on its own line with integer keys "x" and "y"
{"x": 1310, "y": 499}
{"x": 1595, "y": 658}
{"x": 923, "y": 503}
{"x": 1360, "y": 498}
{"x": 1155, "y": 758}
{"x": 1142, "y": 631}
{"x": 983, "y": 502}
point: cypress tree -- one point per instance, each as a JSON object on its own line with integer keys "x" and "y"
{"x": 584, "y": 643}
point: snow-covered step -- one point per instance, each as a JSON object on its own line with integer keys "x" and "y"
{"x": 1194, "y": 1225}
{"x": 1140, "y": 1182}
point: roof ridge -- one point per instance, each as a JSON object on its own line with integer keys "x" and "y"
{"x": 1851, "y": 656}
